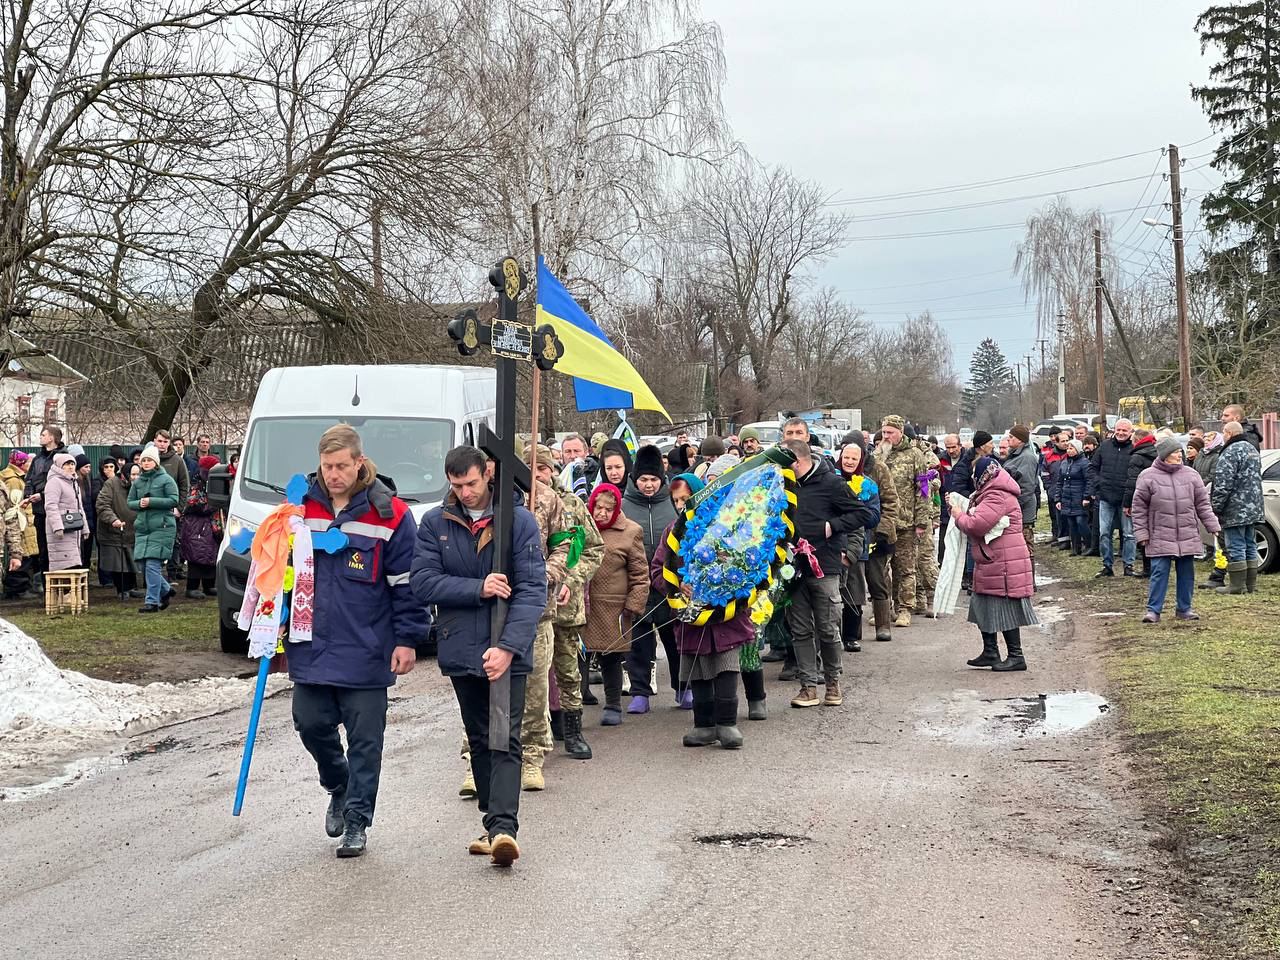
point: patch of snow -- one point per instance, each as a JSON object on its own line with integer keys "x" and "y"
{"x": 47, "y": 713}
{"x": 1051, "y": 613}
{"x": 1111, "y": 614}
{"x": 1046, "y": 581}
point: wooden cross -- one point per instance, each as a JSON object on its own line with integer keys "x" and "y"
{"x": 510, "y": 342}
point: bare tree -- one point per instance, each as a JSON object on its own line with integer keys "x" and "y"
{"x": 755, "y": 234}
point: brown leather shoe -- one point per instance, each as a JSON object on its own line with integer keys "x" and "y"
{"x": 833, "y": 698}
{"x": 480, "y": 847}
{"x": 504, "y": 850}
{"x": 807, "y": 697}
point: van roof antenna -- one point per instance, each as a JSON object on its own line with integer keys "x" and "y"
{"x": 355, "y": 397}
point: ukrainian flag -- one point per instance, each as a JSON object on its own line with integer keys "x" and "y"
{"x": 603, "y": 379}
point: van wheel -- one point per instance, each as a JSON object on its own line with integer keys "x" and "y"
{"x": 232, "y": 639}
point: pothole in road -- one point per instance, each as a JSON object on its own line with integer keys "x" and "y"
{"x": 968, "y": 718}
{"x": 753, "y": 841}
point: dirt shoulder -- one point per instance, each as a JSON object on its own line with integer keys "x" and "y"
{"x": 112, "y": 641}
{"x": 1200, "y": 713}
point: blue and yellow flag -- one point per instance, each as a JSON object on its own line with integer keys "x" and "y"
{"x": 603, "y": 379}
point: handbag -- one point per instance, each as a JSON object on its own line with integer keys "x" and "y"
{"x": 72, "y": 520}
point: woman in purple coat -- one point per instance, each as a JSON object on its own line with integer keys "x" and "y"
{"x": 709, "y": 664}
{"x": 1169, "y": 504}
{"x": 199, "y": 533}
{"x": 1002, "y": 578}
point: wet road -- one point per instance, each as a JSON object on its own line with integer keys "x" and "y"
{"x": 935, "y": 829}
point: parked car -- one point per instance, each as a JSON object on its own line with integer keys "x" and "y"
{"x": 1267, "y": 533}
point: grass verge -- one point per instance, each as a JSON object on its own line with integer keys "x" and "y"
{"x": 1201, "y": 704}
{"x": 113, "y": 641}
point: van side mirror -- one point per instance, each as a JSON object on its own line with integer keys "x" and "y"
{"x": 218, "y": 487}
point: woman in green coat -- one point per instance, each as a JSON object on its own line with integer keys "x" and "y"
{"x": 154, "y": 497}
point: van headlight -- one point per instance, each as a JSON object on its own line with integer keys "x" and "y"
{"x": 235, "y": 525}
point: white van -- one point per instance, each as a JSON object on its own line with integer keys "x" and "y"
{"x": 408, "y": 416}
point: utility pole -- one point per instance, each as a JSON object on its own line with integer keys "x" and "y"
{"x": 1044, "y": 399}
{"x": 1062, "y": 364}
{"x": 1097, "y": 323}
{"x": 1180, "y": 279}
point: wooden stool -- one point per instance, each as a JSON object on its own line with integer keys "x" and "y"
{"x": 69, "y": 588}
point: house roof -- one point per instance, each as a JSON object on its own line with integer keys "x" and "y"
{"x": 21, "y": 358}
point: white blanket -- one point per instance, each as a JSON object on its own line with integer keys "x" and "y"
{"x": 951, "y": 576}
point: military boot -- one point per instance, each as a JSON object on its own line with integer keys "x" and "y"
{"x": 884, "y": 618}
{"x": 575, "y": 744}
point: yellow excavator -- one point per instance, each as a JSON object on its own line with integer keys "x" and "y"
{"x": 1139, "y": 410}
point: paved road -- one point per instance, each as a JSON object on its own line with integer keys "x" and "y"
{"x": 927, "y": 837}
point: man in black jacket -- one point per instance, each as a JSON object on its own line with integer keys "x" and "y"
{"x": 1234, "y": 413}
{"x": 1108, "y": 478}
{"x": 826, "y": 512}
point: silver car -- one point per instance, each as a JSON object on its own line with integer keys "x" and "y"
{"x": 1267, "y": 533}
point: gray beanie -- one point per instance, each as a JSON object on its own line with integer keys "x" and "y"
{"x": 1167, "y": 446}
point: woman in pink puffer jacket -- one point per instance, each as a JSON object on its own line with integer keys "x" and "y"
{"x": 1003, "y": 581}
{"x": 1169, "y": 504}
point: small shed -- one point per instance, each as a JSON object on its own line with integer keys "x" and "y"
{"x": 33, "y": 390}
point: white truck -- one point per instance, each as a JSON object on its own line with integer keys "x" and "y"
{"x": 408, "y": 416}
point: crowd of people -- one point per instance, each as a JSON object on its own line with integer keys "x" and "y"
{"x": 143, "y": 518}
{"x": 589, "y": 594}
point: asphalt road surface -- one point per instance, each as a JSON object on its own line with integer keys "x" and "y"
{"x": 929, "y": 823}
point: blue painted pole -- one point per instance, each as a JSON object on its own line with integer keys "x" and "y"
{"x": 264, "y": 665}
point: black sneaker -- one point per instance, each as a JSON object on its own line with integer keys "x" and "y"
{"x": 1104, "y": 572}
{"x": 334, "y": 817}
{"x": 1128, "y": 570}
{"x": 164, "y": 600}
{"x": 353, "y": 841}
{"x": 149, "y": 608}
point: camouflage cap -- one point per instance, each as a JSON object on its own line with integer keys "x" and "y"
{"x": 545, "y": 457}
{"x": 893, "y": 420}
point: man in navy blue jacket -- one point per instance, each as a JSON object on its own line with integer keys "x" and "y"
{"x": 452, "y": 568}
{"x": 365, "y": 628}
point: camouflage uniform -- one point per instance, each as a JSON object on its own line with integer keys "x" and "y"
{"x": 568, "y": 618}
{"x": 926, "y": 554}
{"x": 535, "y": 731}
{"x": 905, "y": 463}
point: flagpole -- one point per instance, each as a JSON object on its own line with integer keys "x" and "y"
{"x": 537, "y": 373}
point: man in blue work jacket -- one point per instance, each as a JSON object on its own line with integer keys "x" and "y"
{"x": 366, "y": 625}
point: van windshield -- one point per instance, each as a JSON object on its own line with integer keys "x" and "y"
{"x": 409, "y": 451}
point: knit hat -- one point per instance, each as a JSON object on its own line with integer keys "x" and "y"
{"x": 19, "y": 457}
{"x": 1077, "y": 445}
{"x": 695, "y": 484}
{"x": 209, "y": 461}
{"x": 150, "y": 452}
{"x": 1167, "y": 447}
{"x": 81, "y": 461}
{"x": 1196, "y": 442}
{"x": 1020, "y": 433}
{"x": 598, "y": 440}
{"x": 981, "y": 438}
{"x": 116, "y": 452}
{"x": 748, "y": 433}
{"x": 649, "y": 463}
{"x": 893, "y": 420}
{"x": 711, "y": 448}
{"x": 723, "y": 464}
{"x": 75, "y": 449}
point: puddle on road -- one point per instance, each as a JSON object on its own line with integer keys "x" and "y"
{"x": 968, "y": 718}
{"x": 40, "y": 781}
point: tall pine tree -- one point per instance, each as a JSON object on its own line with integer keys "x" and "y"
{"x": 1242, "y": 100}
{"x": 990, "y": 382}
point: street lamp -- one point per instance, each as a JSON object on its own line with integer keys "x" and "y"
{"x": 1184, "y": 325}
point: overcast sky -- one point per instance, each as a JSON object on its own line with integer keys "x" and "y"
{"x": 875, "y": 99}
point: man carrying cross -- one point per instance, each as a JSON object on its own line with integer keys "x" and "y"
{"x": 452, "y": 568}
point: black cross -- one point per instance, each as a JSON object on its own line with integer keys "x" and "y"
{"x": 510, "y": 341}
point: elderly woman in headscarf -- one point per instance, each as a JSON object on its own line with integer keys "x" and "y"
{"x": 199, "y": 533}
{"x": 853, "y": 585}
{"x": 64, "y": 515}
{"x": 115, "y": 531}
{"x": 616, "y": 595}
{"x": 1002, "y": 579}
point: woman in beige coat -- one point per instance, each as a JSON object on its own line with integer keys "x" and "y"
{"x": 616, "y": 595}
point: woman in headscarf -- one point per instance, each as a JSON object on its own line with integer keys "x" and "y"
{"x": 1002, "y": 579}
{"x": 115, "y": 531}
{"x": 199, "y": 533}
{"x": 64, "y": 514}
{"x": 616, "y": 463}
{"x": 853, "y": 584}
{"x": 616, "y": 595}
{"x": 89, "y": 487}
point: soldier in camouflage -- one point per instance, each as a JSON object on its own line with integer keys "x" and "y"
{"x": 915, "y": 512}
{"x": 569, "y": 616}
{"x": 926, "y": 555}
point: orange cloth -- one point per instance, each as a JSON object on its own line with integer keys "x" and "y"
{"x": 270, "y": 550}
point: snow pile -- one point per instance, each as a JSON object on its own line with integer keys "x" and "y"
{"x": 46, "y": 712}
